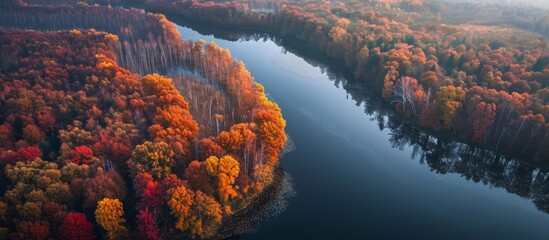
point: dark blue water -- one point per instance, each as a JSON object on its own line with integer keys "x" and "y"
{"x": 360, "y": 174}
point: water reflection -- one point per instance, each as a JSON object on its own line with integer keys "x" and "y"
{"x": 443, "y": 156}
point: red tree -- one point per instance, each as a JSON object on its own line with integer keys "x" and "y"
{"x": 76, "y": 226}
{"x": 146, "y": 225}
{"x": 30, "y": 153}
{"x": 152, "y": 196}
{"x": 81, "y": 155}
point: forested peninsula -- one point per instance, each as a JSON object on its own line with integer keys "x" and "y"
{"x": 96, "y": 143}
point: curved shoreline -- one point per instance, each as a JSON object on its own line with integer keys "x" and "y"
{"x": 247, "y": 219}
{"x": 174, "y": 14}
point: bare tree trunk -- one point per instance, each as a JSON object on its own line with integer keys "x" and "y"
{"x": 542, "y": 143}
{"x": 500, "y": 137}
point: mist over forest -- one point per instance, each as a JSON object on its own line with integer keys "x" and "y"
{"x": 534, "y": 3}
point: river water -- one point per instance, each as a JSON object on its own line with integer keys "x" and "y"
{"x": 361, "y": 174}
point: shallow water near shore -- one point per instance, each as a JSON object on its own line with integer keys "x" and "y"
{"x": 359, "y": 174}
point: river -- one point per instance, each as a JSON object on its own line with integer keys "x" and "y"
{"x": 360, "y": 174}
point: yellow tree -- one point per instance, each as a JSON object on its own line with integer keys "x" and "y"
{"x": 180, "y": 203}
{"x": 225, "y": 170}
{"x": 207, "y": 216}
{"x": 239, "y": 141}
{"x": 228, "y": 172}
{"x": 271, "y": 129}
{"x": 211, "y": 165}
{"x": 153, "y": 158}
{"x": 109, "y": 216}
{"x": 448, "y": 102}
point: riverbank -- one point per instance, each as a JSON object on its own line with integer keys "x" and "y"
{"x": 174, "y": 13}
{"x": 249, "y": 218}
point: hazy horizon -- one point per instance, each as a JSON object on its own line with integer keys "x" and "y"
{"x": 536, "y": 3}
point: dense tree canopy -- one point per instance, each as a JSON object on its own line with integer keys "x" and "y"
{"x": 78, "y": 127}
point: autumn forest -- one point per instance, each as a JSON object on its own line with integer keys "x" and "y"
{"x": 114, "y": 125}
{"x": 81, "y": 134}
